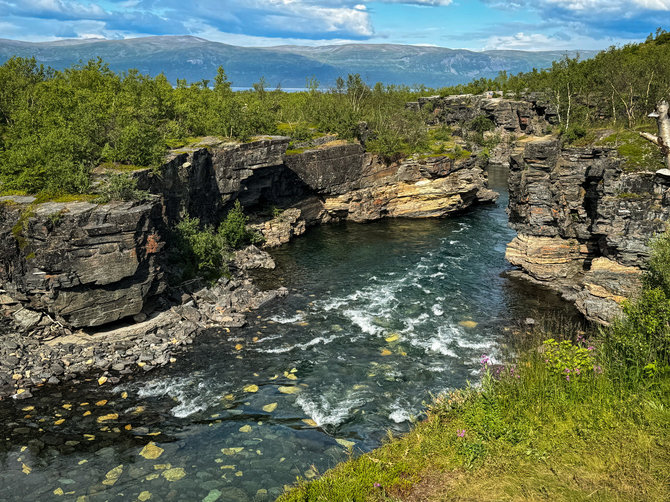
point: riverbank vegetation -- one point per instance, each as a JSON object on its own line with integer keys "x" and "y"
{"x": 205, "y": 251}
{"x": 575, "y": 416}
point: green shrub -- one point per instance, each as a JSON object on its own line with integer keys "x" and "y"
{"x": 574, "y": 133}
{"x": 566, "y": 360}
{"x": 659, "y": 264}
{"x": 233, "y": 230}
{"x": 203, "y": 250}
{"x": 199, "y": 251}
{"x": 642, "y": 336}
{"x": 481, "y": 124}
{"x": 442, "y": 133}
{"x": 121, "y": 186}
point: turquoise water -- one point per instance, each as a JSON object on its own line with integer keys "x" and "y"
{"x": 380, "y": 317}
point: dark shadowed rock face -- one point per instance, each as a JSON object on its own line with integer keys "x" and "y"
{"x": 85, "y": 264}
{"x": 330, "y": 171}
{"x": 204, "y": 181}
{"x": 584, "y": 224}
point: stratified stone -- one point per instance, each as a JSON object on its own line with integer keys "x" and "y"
{"x": 85, "y": 263}
{"x": 584, "y": 224}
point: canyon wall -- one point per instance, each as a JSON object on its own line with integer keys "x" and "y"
{"x": 531, "y": 115}
{"x": 85, "y": 265}
{"x": 584, "y": 223}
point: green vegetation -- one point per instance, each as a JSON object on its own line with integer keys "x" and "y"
{"x": 233, "y": 229}
{"x": 121, "y": 186}
{"x": 57, "y": 126}
{"x": 620, "y": 84}
{"x": 639, "y": 154}
{"x": 575, "y": 419}
{"x": 205, "y": 251}
{"x": 617, "y": 89}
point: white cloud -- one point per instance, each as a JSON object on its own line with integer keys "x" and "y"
{"x": 599, "y": 6}
{"x": 430, "y": 3}
{"x": 521, "y": 41}
{"x": 541, "y": 42}
{"x": 654, "y": 4}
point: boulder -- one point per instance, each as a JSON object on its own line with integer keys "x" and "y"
{"x": 251, "y": 258}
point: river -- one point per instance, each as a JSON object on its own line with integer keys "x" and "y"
{"x": 380, "y": 317}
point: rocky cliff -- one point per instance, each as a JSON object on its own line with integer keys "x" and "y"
{"x": 584, "y": 223}
{"x": 530, "y": 115}
{"x": 82, "y": 263}
{"x": 85, "y": 265}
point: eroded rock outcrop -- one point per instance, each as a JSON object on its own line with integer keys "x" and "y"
{"x": 584, "y": 223}
{"x": 84, "y": 264}
{"x": 70, "y": 266}
{"x": 87, "y": 264}
{"x": 530, "y": 115}
{"x": 415, "y": 188}
{"x": 358, "y": 186}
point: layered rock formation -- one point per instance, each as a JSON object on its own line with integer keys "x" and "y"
{"x": 82, "y": 263}
{"x": 66, "y": 266}
{"x": 415, "y": 188}
{"x": 584, "y": 223}
{"x": 86, "y": 265}
{"x": 531, "y": 115}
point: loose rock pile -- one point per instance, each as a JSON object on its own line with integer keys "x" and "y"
{"x": 46, "y": 352}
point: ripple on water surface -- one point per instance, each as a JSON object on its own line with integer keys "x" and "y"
{"x": 380, "y": 317}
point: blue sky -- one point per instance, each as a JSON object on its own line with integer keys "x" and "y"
{"x": 474, "y": 24}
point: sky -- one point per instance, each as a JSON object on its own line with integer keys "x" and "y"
{"x": 468, "y": 24}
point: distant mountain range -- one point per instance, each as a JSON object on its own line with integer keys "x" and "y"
{"x": 195, "y": 59}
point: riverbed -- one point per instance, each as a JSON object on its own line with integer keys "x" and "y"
{"x": 380, "y": 318}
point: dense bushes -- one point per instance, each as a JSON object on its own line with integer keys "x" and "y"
{"x": 56, "y": 126}
{"x": 639, "y": 343}
{"x": 619, "y": 86}
{"x": 121, "y": 186}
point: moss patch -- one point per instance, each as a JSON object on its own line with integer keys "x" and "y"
{"x": 21, "y": 226}
{"x": 638, "y": 153}
{"x": 296, "y": 151}
{"x": 124, "y": 168}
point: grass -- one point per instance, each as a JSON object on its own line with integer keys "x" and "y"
{"x": 179, "y": 143}
{"x": 574, "y": 417}
{"x": 123, "y": 168}
{"x": 528, "y": 434}
{"x": 630, "y": 195}
{"x": 51, "y": 197}
{"x": 296, "y": 151}
{"x": 638, "y": 153}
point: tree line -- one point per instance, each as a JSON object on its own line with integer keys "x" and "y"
{"x": 57, "y": 126}
{"x": 619, "y": 86}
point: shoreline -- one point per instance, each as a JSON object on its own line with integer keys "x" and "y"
{"x": 108, "y": 355}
